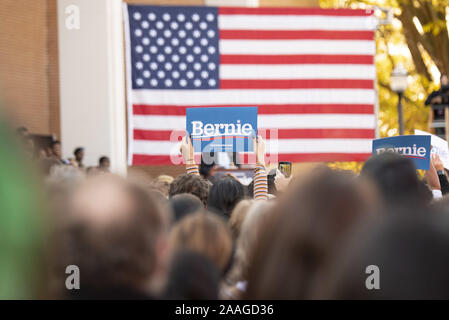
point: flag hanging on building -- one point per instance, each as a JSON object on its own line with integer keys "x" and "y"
{"x": 309, "y": 71}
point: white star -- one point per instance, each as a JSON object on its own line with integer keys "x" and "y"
{"x": 145, "y": 41}
{"x": 139, "y": 49}
{"x": 160, "y": 58}
{"x": 153, "y": 82}
{"x": 182, "y": 66}
{"x": 145, "y": 24}
{"x": 168, "y": 66}
{"x": 204, "y": 42}
{"x": 197, "y": 50}
{"x": 189, "y": 26}
{"x": 168, "y": 83}
{"x": 174, "y": 25}
{"x": 204, "y": 74}
{"x": 161, "y": 74}
{"x": 197, "y": 82}
{"x": 195, "y": 17}
{"x": 137, "y": 15}
{"x": 182, "y": 50}
{"x": 138, "y": 32}
{"x": 159, "y": 24}
{"x": 183, "y": 82}
{"x": 211, "y": 66}
{"x": 189, "y": 74}
{"x": 153, "y": 49}
{"x": 204, "y": 58}
{"x": 210, "y": 17}
{"x": 168, "y": 50}
{"x": 181, "y": 17}
{"x": 166, "y": 17}
{"x": 139, "y": 82}
{"x": 181, "y": 34}
{"x": 211, "y": 50}
{"x": 197, "y": 66}
{"x": 152, "y": 33}
{"x": 211, "y": 33}
{"x": 175, "y": 58}
{"x": 146, "y": 57}
{"x": 174, "y": 41}
{"x": 139, "y": 65}
{"x": 196, "y": 33}
{"x": 153, "y": 66}
{"x": 151, "y": 16}
{"x": 203, "y": 25}
{"x": 175, "y": 74}
{"x": 167, "y": 33}
{"x": 160, "y": 41}
{"x": 189, "y": 58}
{"x": 212, "y": 82}
{"x": 146, "y": 73}
{"x": 189, "y": 42}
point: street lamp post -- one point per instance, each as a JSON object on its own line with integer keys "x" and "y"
{"x": 399, "y": 84}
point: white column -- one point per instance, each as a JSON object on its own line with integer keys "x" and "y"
{"x": 92, "y": 80}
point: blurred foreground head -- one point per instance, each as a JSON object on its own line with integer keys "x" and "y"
{"x": 396, "y": 179}
{"x": 204, "y": 233}
{"x": 113, "y": 231}
{"x": 303, "y": 234}
{"x": 410, "y": 253}
{"x": 192, "y": 276}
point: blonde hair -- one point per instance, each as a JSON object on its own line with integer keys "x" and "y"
{"x": 238, "y": 216}
{"x": 249, "y": 237}
{"x": 162, "y": 183}
{"x": 204, "y": 233}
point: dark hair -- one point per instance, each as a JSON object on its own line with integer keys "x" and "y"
{"x": 55, "y": 142}
{"x": 224, "y": 196}
{"x": 395, "y": 177}
{"x": 184, "y": 204}
{"x": 103, "y": 159}
{"x": 190, "y": 183}
{"x": 78, "y": 150}
{"x": 411, "y": 252}
{"x": 302, "y": 234}
{"x": 192, "y": 276}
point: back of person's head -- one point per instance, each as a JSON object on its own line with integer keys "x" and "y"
{"x": 250, "y": 234}
{"x": 184, "y": 204}
{"x": 192, "y": 276}
{"x": 204, "y": 233}
{"x": 78, "y": 151}
{"x": 162, "y": 183}
{"x": 405, "y": 256}
{"x": 190, "y": 183}
{"x": 238, "y": 215}
{"x": 303, "y": 232}
{"x": 111, "y": 231}
{"x": 224, "y": 196}
{"x": 395, "y": 177}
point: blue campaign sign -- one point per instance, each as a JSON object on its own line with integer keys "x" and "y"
{"x": 414, "y": 147}
{"x": 227, "y": 129}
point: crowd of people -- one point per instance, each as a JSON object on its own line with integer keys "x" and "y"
{"x": 310, "y": 236}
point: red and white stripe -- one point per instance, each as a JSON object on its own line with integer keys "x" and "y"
{"x": 310, "y": 72}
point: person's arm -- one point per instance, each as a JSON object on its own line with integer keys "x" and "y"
{"x": 188, "y": 153}
{"x": 433, "y": 98}
{"x": 432, "y": 178}
{"x": 260, "y": 173}
{"x": 439, "y": 167}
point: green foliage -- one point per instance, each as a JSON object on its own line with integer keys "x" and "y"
{"x": 421, "y": 52}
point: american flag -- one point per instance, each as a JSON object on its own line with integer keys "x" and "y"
{"x": 309, "y": 71}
